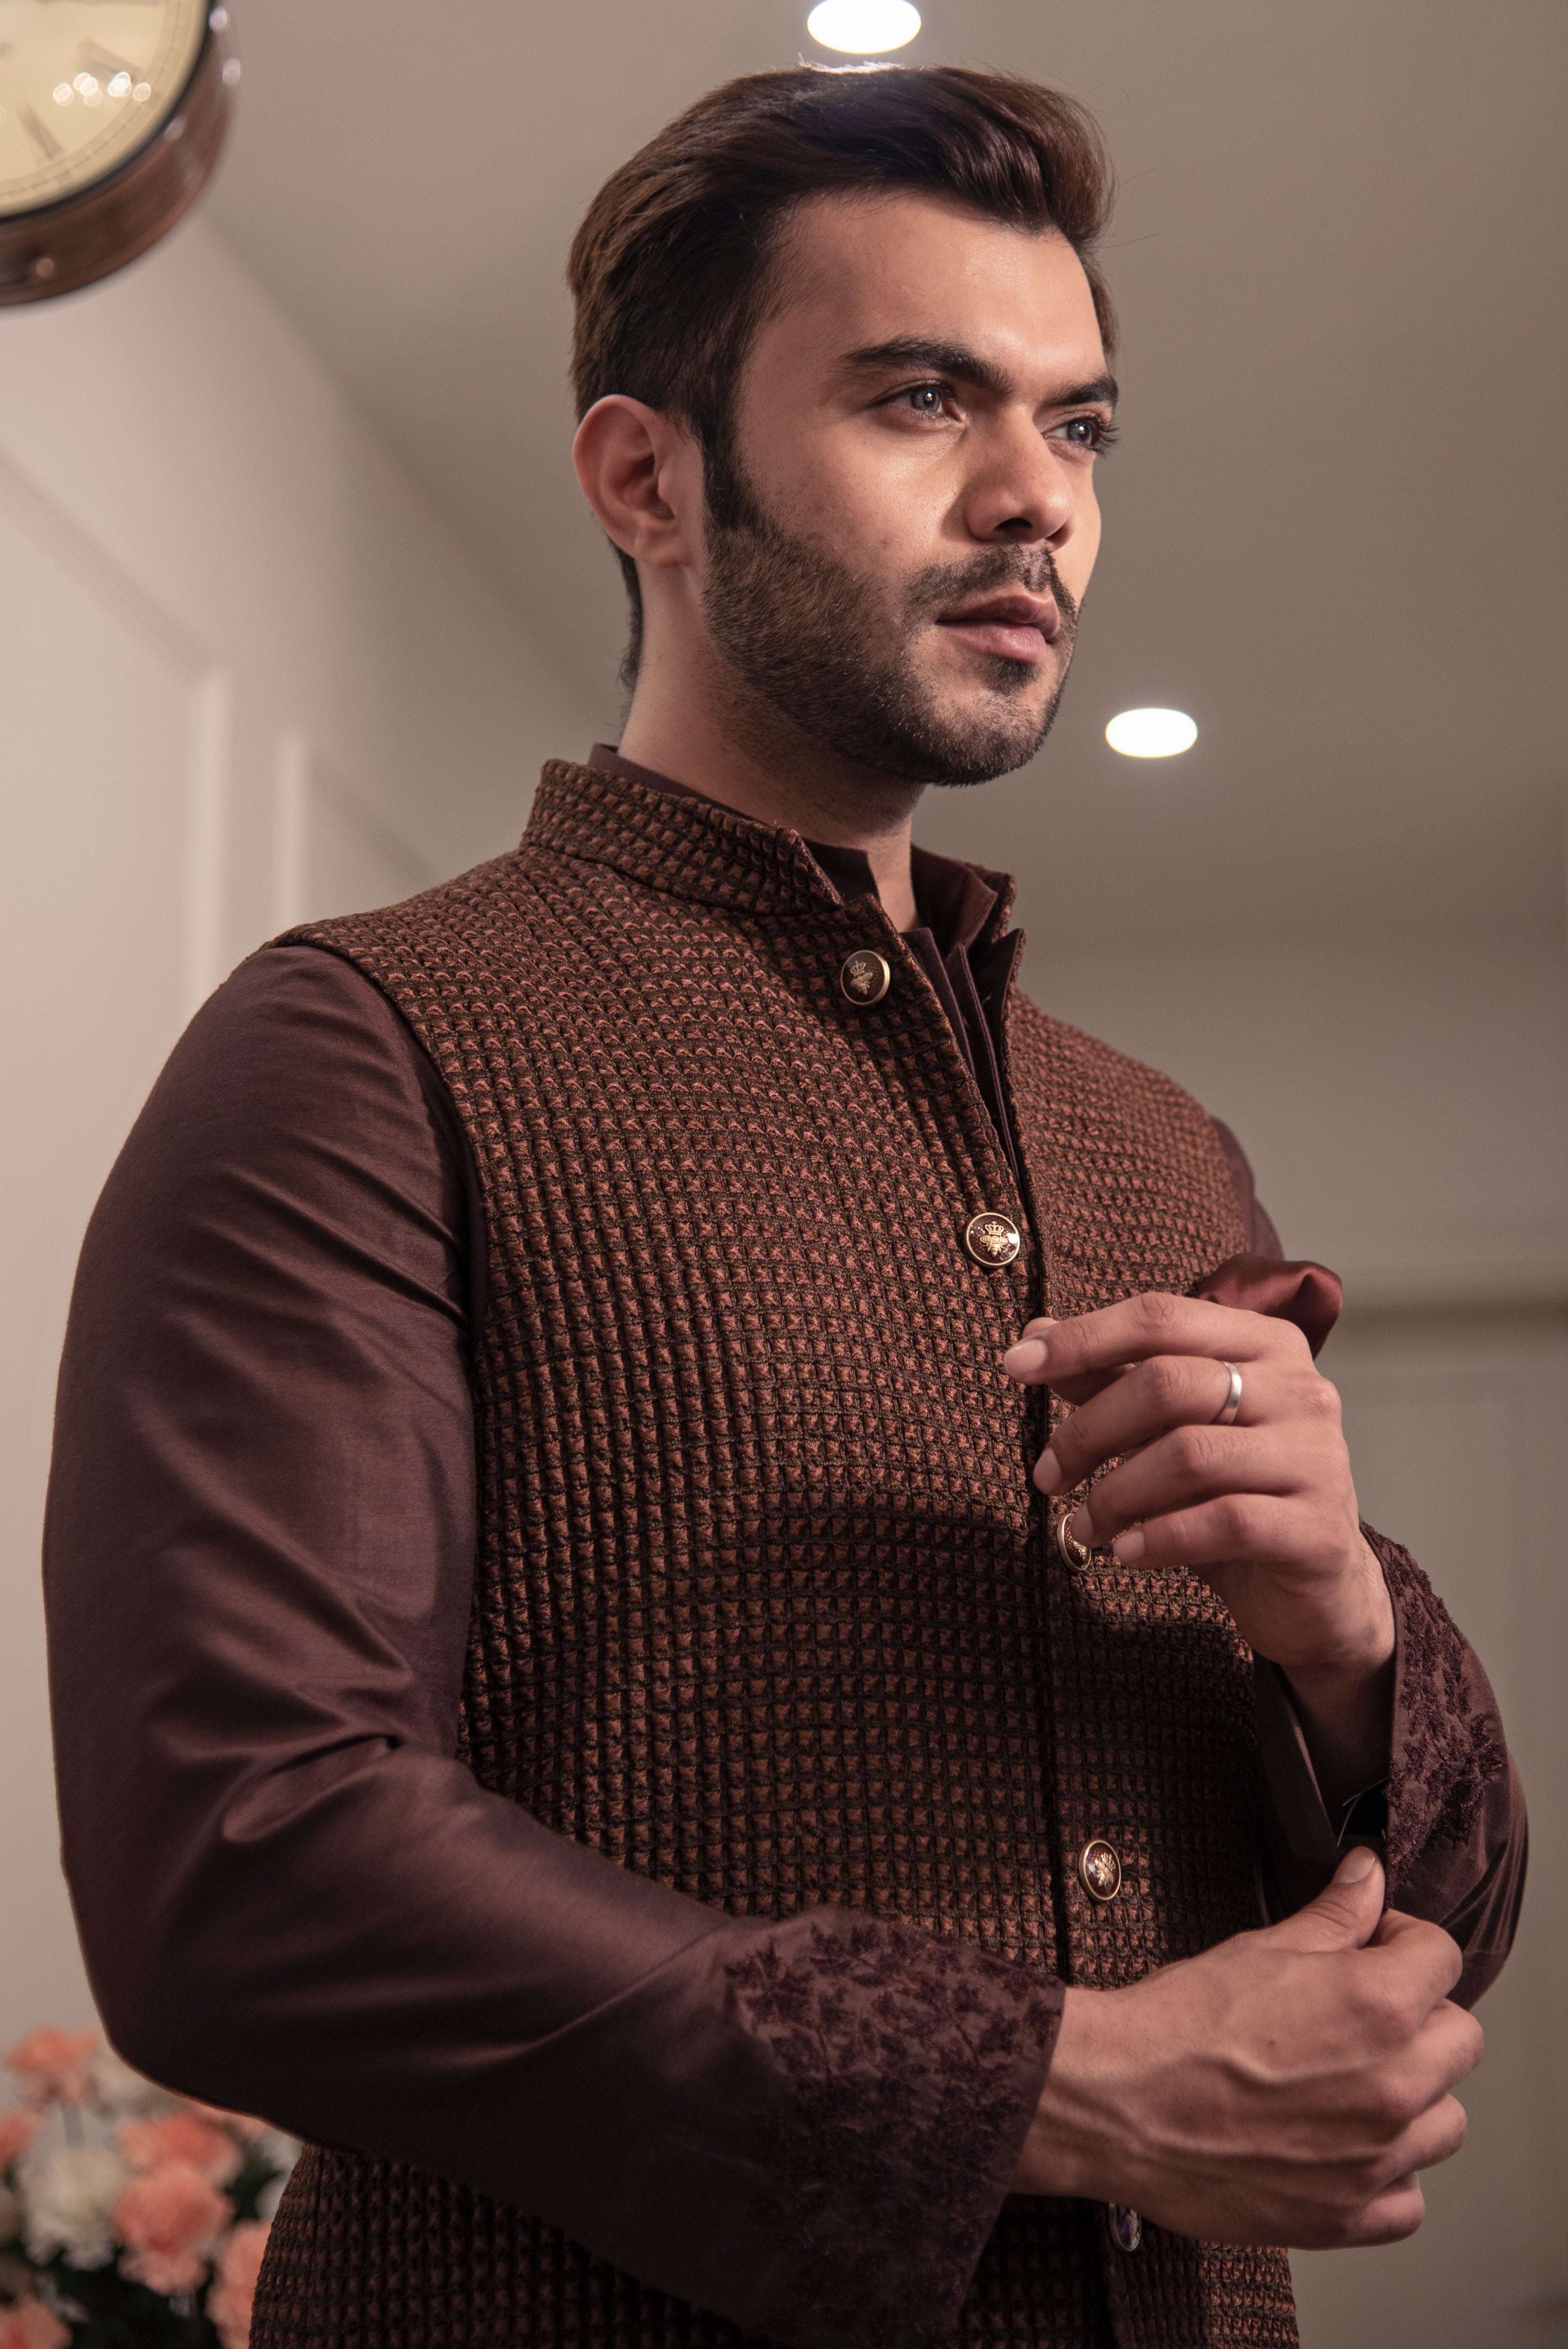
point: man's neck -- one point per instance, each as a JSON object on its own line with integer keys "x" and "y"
{"x": 788, "y": 781}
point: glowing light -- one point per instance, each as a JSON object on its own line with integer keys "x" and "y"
{"x": 231, "y": 71}
{"x": 864, "y": 27}
{"x": 119, "y": 87}
{"x": 1151, "y": 733}
{"x": 86, "y": 83}
{"x": 142, "y": 92}
{"x": 64, "y": 93}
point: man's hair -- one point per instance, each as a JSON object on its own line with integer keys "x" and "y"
{"x": 673, "y": 269}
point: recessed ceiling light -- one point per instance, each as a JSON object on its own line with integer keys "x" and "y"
{"x": 863, "y": 26}
{"x": 1151, "y": 733}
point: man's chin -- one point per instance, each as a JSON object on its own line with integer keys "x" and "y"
{"x": 977, "y": 742}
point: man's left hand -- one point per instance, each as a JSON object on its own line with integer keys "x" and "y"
{"x": 1262, "y": 1511}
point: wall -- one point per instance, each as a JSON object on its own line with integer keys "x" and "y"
{"x": 245, "y": 674}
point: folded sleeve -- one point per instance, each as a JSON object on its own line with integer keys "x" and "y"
{"x": 294, "y": 1897}
{"x": 1262, "y": 1238}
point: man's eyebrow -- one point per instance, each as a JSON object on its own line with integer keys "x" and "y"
{"x": 968, "y": 367}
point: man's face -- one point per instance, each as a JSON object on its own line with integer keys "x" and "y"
{"x": 897, "y": 549}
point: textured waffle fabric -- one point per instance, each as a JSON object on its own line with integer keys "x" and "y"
{"x": 764, "y": 1606}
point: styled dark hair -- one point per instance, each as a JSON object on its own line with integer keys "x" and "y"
{"x": 671, "y": 270}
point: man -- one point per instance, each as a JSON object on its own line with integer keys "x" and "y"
{"x": 666, "y": 1493}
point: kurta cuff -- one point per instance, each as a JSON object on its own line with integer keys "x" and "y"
{"x": 1455, "y": 1838}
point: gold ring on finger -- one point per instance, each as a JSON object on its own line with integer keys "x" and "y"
{"x": 1071, "y": 1551}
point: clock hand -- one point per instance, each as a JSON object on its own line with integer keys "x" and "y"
{"x": 104, "y": 61}
{"x": 47, "y": 145}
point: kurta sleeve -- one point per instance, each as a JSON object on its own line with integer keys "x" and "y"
{"x": 294, "y": 1897}
{"x": 1449, "y": 1818}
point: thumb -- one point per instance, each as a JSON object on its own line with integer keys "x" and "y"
{"x": 1346, "y": 1912}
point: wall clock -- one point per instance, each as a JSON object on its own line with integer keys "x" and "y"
{"x": 112, "y": 113}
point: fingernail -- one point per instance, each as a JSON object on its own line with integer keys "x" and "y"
{"x": 1080, "y": 1524}
{"x": 1129, "y": 1548}
{"x": 1357, "y": 1866}
{"x": 1021, "y": 1361}
{"x": 1048, "y": 1472}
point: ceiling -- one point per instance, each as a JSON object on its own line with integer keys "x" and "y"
{"x": 1337, "y": 522}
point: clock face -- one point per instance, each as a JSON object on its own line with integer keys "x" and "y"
{"x": 82, "y": 85}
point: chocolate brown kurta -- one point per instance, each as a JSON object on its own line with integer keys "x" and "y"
{"x": 762, "y": 1612}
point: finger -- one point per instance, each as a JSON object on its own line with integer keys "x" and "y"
{"x": 1389, "y": 2218}
{"x": 1257, "y": 1528}
{"x": 1419, "y": 2076}
{"x": 1018, "y": 1358}
{"x": 1423, "y": 1951}
{"x": 1396, "y": 2207}
{"x": 1151, "y": 1324}
{"x": 1450, "y": 2043}
{"x": 1345, "y": 1914}
{"x": 1437, "y": 2136}
{"x": 1183, "y": 1469}
{"x": 1147, "y": 1402}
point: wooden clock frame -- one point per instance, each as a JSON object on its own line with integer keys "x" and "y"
{"x": 87, "y": 235}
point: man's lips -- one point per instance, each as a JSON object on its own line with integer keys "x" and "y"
{"x": 1014, "y": 627}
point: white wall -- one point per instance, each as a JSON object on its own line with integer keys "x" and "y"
{"x": 245, "y": 674}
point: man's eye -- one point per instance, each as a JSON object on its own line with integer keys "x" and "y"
{"x": 927, "y": 398}
{"x": 1087, "y": 432}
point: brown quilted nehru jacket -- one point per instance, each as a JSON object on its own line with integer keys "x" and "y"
{"x": 765, "y": 1614}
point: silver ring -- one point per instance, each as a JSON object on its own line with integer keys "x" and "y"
{"x": 1226, "y": 1414}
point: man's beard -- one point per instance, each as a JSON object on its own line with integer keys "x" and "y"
{"x": 831, "y": 651}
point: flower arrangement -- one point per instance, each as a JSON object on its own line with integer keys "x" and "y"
{"x": 130, "y": 2218}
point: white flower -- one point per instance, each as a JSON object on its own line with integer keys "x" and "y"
{"x": 123, "y": 2094}
{"x": 282, "y": 2151}
{"x": 279, "y": 2148}
{"x": 67, "y": 2198}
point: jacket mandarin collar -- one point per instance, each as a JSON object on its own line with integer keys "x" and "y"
{"x": 692, "y": 847}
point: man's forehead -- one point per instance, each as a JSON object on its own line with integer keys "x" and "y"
{"x": 859, "y": 271}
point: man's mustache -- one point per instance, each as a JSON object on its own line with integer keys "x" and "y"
{"x": 1033, "y": 569}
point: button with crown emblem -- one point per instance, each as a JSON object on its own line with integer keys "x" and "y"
{"x": 1100, "y": 1869}
{"x": 992, "y": 1239}
{"x": 865, "y": 977}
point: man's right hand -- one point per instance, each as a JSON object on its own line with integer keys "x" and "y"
{"x": 1284, "y": 2088}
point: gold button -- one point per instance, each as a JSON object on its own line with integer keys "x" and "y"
{"x": 866, "y": 977}
{"x": 1126, "y": 2226}
{"x": 992, "y": 1239}
{"x": 1100, "y": 1869}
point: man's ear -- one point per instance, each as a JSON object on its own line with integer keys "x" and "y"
{"x": 642, "y": 475}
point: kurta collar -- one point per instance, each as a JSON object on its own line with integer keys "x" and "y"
{"x": 672, "y": 838}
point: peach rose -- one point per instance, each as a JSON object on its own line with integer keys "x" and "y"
{"x": 53, "y": 2066}
{"x": 17, "y": 2130}
{"x": 168, "y": 2220}
{"x": 30, "y": 2325}
{"x": 234, "y": 2292}
{"x": 187, "y": 2136}
{"x": 244, "y": 2126}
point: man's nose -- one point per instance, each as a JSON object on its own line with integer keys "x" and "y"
{"x": 1023, "y": 495}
